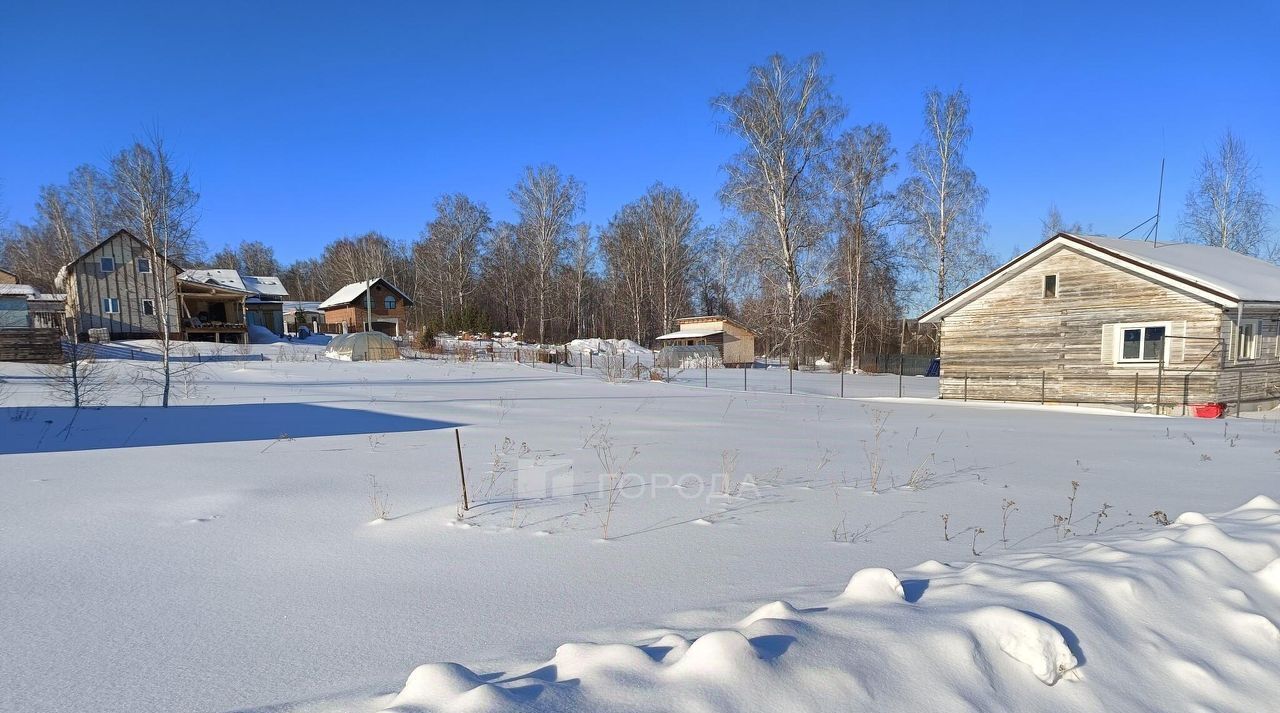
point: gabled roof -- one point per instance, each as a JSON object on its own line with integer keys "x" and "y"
{"x": 350, "y": 293}
{"x": 1216, "y": 275}
{"x": 111, "y": 237}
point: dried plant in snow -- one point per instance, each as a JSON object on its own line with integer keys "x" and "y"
{"x": 379, "y": 501}
{"x": 1007, "y": 508}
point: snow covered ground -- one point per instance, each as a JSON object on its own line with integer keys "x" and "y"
{"x": 226, "y": 554}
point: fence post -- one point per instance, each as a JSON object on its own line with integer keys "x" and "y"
{"x": 965, "y": 393}
{"x": 744, "y": 379}
{"x": 1159, "y": 385}
{"x": 1239, "y": 391}
{"x": 899, "y": 378}
{"x": 1135, "y": 392}
{"x": 842, "y": 383}
{"x": 706, "y": 374}
{"x": 791, "y": 379}
{"x": 1186, "y": 391}
{"x": 1042, "y": 380}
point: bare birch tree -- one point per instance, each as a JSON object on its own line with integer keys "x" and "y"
{"x": 450, "y": 251}
{"x": 864, "y": 210}
{"x": 546, "y": 203}
{"x": 582, "y": 255}
{"x": 785, "y": 116}
{"x": 942, "y": 199}
{"x": 1226, "y": 206}
{"x": 1054, "y": 223}
{"x": 157, "y": 204}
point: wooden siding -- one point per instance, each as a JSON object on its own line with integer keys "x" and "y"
{"x": 87, "y": 285}
{"x": 1255, "y": 381}
{"x": 8, "y": 278}
{"x": 1013, "y": 343}
{"x": 31, "y": 345}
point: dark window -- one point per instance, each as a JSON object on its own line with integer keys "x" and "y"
{"x": 144, "y": 265}
{"x": 1050, "y": 285}
{"x": 1143, "y": 344}
{"x": 108, "y": 264}
{"x": 390, "y": 302}
{"x": 110, "y": 305}
{"x": 149, "y": 307}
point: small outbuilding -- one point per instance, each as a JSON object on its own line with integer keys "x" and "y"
{"x": 735, "y": 342}
{"x": 362, "y": 346}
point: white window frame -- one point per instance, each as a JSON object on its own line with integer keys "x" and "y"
{"x": 102, "y": 264}
{"x": 1118, "y": 347}
{"x": 1057, "y": 285}
{"x": 138, "y": 264}
{"x": 143, "y": 306}
{"x": 1255, "y": 339}
{"x": 110, "y": 305}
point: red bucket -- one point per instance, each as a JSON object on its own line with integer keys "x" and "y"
{"x": 1209, "y": 410}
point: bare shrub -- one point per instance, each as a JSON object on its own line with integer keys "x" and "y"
{"x": 81, "y": 380}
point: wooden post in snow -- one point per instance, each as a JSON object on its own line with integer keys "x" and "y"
{"x": 462, "y": 472}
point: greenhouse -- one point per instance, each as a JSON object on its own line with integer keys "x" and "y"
{"x": 699, "y": 356}
{"x": 362, "y": 346}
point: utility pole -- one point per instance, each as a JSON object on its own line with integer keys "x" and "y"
{"x": 368, "y": 306}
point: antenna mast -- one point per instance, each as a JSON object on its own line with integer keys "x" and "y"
{"x": 1159, "y": 198}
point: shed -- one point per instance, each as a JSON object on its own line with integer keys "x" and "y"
{"x": 1096, "y": 320}
{"x": 735, "y": 341}
{"x": 362, "y": 346}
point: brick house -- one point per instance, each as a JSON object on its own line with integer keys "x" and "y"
{"x": 373, "y": 304}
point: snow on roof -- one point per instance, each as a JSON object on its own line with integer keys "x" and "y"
{"x": 1240, "y": 276}
{"x": 691, "y": 333}
{"x": 269, "y": 285}
{"x": 46, "y": 297}
{"x": 346, "y": 294}
{"x": 17, "y": 290}
{"x": 219, "y": 277}
{"x": 292, "y": 307}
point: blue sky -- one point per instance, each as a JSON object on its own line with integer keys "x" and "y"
{"x": 304, "y": 122}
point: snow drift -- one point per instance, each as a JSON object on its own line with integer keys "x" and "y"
{"x": 1180, "y": 618}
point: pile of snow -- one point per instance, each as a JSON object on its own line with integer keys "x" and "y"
{"x": 1181, "y": 618}
{"x": 259, "y": 334}
{"x": 606, "y": 347}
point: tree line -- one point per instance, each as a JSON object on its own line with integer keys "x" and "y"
{"x": 829, "y": 236}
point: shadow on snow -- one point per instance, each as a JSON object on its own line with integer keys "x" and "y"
{"x": 62, "y": 428}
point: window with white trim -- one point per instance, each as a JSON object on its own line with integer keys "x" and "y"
{"x": 1137, "y": 343}
{"x": 110, "y": 305}
{"x": 149, "y": 308}
{"x": 144, "y": 265}
{"x": 1247, "y": 339}
{"x": 107, "y": 264}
